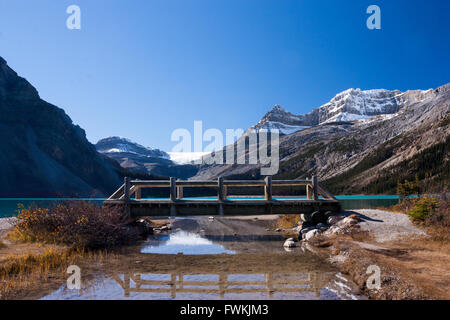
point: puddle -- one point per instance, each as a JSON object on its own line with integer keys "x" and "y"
{"x": 210, "y": 260}
{"x": 183, "y": 242}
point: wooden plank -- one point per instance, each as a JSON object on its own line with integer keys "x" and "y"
{"x": 179, "y": 192}
{"x": 309, "y": 192}
{"x": 268, "y": 188}
{"x": 119, "y": 192}
{"x": 315, "y": 186}
{"x": 127, "y": 188}
{"x": 220, "y": 196}
{"x": 173, "y": 189}
{"x": 138, "y": 193}
{"x": 326, "y": 192}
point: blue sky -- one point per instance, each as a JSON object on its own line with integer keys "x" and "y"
{"x": 141, "y": 69}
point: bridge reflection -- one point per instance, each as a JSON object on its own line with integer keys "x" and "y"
{"x": 222, "y": 283}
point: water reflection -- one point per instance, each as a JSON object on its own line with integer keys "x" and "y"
{"x": 230, "y": 286}
{"x": 223, "y": 285}
{"x": 183, "y": 242}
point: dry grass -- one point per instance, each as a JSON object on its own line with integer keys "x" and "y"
{"x": 2, "y": 245}
{"x": 19, "y": 274}
{"x": 77, "y": 224}
{"x": 32, "y": 273}
{"x": 288, "y": 221}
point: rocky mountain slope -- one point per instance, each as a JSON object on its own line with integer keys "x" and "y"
{"x": 42, "y": 153}
{"x": 361, "y": 141}
{"x": 139, "y": 159}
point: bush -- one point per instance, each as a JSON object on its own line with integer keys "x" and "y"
{"x": 424, "y": 208}
{"x": 78, "y": 224}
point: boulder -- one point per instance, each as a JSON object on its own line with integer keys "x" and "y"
{"x": 305, "y": 231}
{"x": 317, "y": 217}
{"x": 310, "y": 234}
{"x": 349, "y": 221}
{"x": 289, "y": 243}
{"x": 322, "y": 226}
{"x": 334, "y": 219}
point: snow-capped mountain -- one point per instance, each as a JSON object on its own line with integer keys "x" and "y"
{"x": 123, "y": 145}
{"x": 356, "y": 104}
{"x": 349, "y": 105}
{"x": 280, "y": 119}
{"x": 137, "y": 158}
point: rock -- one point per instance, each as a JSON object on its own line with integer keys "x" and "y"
{"x": 164, "y": 228}
{"x": 334, "y": 219}
{"x": 328, "y": 214}
{"x": 322, "y": 226}
{"x": 310, "y": 234}
{"x": 349, "y": 221}
{"x": 277, "y": 230}
{"x": 317, "y": 217}
{"x": 289, "y": 243}
{"x": 307, "y": 225}
{"x": 333, "y": 230}
{"x": 305, "y": 217}
{"x": 304, "y": 231}
{"x": 211, "y": 218}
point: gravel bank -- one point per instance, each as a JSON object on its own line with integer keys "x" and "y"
{"x": 386, "y": 226}
{"x": 6, "y": 224}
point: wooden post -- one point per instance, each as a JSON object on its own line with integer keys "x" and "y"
{"x": 127, "y": 188}
{"x": 173, "y": 189}
{"x": 180, "y": 192}
{"x": 220, "y": 189}
{"x": 138, "y": 193}
{"x": 268, "y": 188}
{"x": 315, "y": 188}
{"x": 309, "y": 192}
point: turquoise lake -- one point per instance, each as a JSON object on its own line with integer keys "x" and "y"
{"x": 8, "y": 206}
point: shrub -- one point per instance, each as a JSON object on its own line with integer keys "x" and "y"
{"x": 424, "y": 208}
{"x": 78, "y": 224}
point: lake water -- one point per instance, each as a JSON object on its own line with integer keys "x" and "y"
{"x": 8, "y": 206}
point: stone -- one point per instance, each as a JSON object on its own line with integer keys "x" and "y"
{"x": 311, "y": 234}
{"x": 349, "y": 221}
{"x": 289, "y": 243}
{"x": 304, "y": 231}
{"x": 317, "y": 217}
{"x": 334, "y": 219}
{"x": 328, "y": 214}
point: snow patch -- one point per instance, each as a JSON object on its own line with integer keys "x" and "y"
{"x": 186, "y": 157}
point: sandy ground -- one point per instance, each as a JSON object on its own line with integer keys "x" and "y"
{"x": 386, "y": 226}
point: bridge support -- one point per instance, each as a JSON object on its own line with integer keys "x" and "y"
{"x": 268, "y": 188}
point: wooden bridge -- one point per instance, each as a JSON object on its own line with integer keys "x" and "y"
{"x": 129, "y": 195}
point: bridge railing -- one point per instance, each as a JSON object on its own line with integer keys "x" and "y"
{"x": 134, "y": 187}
